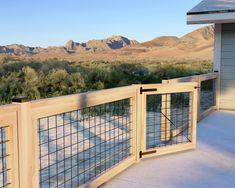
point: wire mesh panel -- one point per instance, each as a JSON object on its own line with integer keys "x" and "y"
{"x": 76, "y": 147}
{"x": 168, "y": 119}
{"x": 207, "y": 95}
{"x": 4, "y": 182}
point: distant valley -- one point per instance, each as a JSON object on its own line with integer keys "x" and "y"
{"x": 195, "y": 45}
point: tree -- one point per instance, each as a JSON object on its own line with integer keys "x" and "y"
{"x": 30, "y": 83}
{"x": 55, "y": 83}
{"x": 10, "y": 86}
{"x": 75, "y": 83}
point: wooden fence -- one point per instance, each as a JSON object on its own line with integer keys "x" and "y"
{"x": 86, "y": 139}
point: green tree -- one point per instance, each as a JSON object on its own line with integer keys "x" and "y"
{"x": 30, "y": 83}
{"x": 75, "y": 83}
{"x": 10, "y": 86}
{"x": 55, "y": 83}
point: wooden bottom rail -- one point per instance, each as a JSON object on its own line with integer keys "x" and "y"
{"x": 115, "y": 170}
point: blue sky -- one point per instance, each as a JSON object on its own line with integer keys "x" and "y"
{"x": 53, "y": 22}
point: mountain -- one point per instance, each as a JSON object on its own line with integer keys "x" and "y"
{"x": 197, "y": 44}
{"x": 162, "y": 41}
{"x": 111, "y": 43}
{"x": 17, "y": 49}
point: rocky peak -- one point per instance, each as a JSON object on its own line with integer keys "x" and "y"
{"x": 18, "y": 49}
{"x": 71, "y": 46}
{"x": 111, "y": 43}
{"x": 117, "y": 41}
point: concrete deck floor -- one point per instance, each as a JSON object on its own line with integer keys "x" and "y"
{"x": 212, "y": 164}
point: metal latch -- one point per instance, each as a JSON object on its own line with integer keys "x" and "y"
{"x": 147, "y": 153}
{"x": 147, "y": 90}
{"x": 196, "y": 87}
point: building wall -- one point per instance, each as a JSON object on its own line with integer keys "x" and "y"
{"x": 227, "y": 67}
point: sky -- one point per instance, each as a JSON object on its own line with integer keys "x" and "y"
{"x": 54, "y": 22}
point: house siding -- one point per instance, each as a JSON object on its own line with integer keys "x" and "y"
{"x": 227, "y": 69}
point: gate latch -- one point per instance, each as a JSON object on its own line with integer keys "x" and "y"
{"x": 147, "y": 90}
{"x": 147, "y": 153}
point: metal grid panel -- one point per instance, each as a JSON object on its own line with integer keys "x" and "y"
{"x": 207, "y": 98}
{"x": 168, "y": 119}
{"x": 75, "y": 147}
{"x": 3, "y": 159}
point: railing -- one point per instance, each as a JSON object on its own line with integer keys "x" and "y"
{"x": 86, "y": 139}
{"x": 207, "y": 85}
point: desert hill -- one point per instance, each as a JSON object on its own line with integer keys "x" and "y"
{"x": 197, "y": 44}
{"x": 162, "y": 41}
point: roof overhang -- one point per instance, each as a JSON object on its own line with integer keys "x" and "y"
{"x": 207, "y": 18}
{"x": 212, "y": 11}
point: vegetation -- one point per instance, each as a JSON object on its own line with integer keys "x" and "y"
{"x": 42, "y": 79}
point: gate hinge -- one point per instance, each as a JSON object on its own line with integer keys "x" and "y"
{"x": 147, "y": 90}
{"x": 147, "y": 153}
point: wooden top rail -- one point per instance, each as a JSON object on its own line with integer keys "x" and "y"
{"x": 208, "y": 76}
{"x": 57, "y": 105}
{"x": 8, "y": 114}
{"x": 195, "y": 78}
{"x": 171, "y": 87}
{"x": 5, "y": 109}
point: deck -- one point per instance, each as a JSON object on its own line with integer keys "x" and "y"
{"x": 212, "y": 164}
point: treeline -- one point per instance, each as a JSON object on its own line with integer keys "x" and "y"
{"x": 42, "y": 79}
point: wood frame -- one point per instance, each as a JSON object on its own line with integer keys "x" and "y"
{"x": 27, "y": 147}
{"x": 168, "y": 89}
{"x": 138, "y": 121}
{"x": 21, "y": 119}
{"x": 52, "y": 106}
{"x": 8, "y": 119}
{"x": 195, "y": 78}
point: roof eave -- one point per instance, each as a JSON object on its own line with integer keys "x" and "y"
{"x": 209, "y": 18}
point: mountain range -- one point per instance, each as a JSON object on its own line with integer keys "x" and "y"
{"x": 195, "y": 45}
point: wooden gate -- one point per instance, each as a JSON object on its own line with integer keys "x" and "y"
{"x": 169, "y": 114}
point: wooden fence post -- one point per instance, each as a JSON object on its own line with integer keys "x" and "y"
{"x": 137, "y": 120}
{"x": 28, "y": 145}
{"x": 12, "y": 158}
{"x": 194, "y": 105}
{"x": 199, "y": 98}
{"x": 217, "y": 90}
